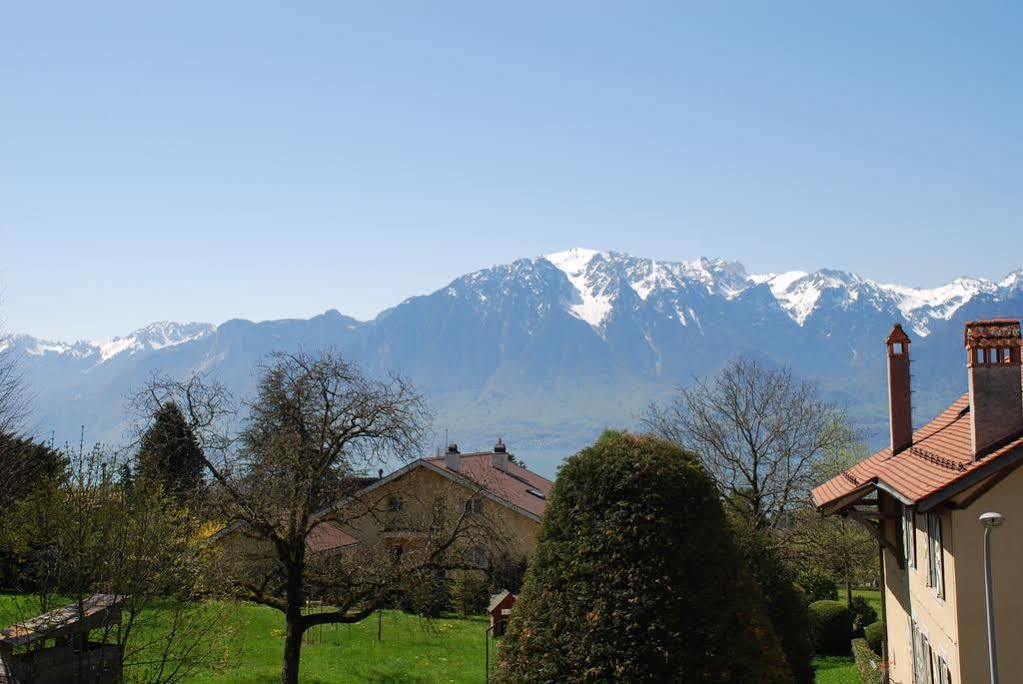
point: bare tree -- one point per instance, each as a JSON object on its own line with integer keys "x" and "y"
{"x": 16, "y": 472}
{"x": 759, "y": 432}
{"x": 836, "y": 546}
{"x": 316, "y": 426}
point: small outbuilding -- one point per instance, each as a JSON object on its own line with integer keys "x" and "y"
{"x": 500, "y": 608}
{"x": 55, "y": 646}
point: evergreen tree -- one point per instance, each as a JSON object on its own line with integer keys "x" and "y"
{"x": 636, "y": 578}
{"x": 169, "y": 452}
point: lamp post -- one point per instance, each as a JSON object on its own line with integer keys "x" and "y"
{"x": 990, "y": 521}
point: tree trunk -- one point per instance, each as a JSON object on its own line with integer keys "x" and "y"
{"x": 295, "y": 629}
{"x": 848, "y": 592}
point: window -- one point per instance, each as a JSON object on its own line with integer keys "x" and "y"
{"x": 477, "y": 557}
{"x": 908, "y": 535}
{"x": 473, "y": 506}
{"x": 935, "y": 551}
{"x": 395, "y": 504}
{"x": 919, "y": 650}
{"x": 944, "y": 676}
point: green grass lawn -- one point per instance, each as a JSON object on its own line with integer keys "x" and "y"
{"x": 412, "y": 649}
{"x": 873, "y": 597}
{"x": 836, "y": 670}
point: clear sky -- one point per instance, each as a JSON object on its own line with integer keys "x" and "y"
{"x": 210, "y": 160}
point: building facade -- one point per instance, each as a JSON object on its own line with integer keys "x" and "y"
{"x": 399, "y": 509}
{"x": 921, "y": 497}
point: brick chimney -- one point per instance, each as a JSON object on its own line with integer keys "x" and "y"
{"x": 452, "y": 458}
{"x": 499, "y": 459}
{"x": 900, "y": 404}
{"x": 996, "y": 391}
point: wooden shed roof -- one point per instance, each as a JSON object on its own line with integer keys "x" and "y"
{"x": 94, "y": 612}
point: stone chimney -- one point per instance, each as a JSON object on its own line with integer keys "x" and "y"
{"x": 996, "y": 391}
{"x": 452, "y": 458}
{"x": 499, "y": 459}
{"x": 900, "y": 402}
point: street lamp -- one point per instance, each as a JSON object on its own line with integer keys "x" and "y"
{"x": 990, "y": 521}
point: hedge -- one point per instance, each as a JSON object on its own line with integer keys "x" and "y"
{"x": 830, "y": 627}
{"x": 867, "y": 662}
{"x": 874, "y": 634}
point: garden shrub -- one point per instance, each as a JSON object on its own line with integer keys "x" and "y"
{"x": 636, "y": 577}
{"x": 874, "y": 634}
{"x": 818, "y": 587}
{"x": 424, "y": 593}
{"x": 830, "y": 627}
{"x": 863, "y": 614}
{"x": 868, "y": 663}
{"x": 507, "y": 573}
{"x": 469, "y": 592}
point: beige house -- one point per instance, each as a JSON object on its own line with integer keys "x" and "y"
{"x": 397, "y": 509}
{"x": 921, "y": 498}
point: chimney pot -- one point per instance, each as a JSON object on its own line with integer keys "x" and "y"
{"x": 996, "y": 389}
{"x": 452, "y": 459}
{"x": 900, "y": 404}
{"x": 499, "y": 459}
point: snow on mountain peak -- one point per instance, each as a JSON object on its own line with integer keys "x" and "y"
{"x": 593, "y": 303}
{"x": 154, "y": 336}
{"x": 598, "y": 277}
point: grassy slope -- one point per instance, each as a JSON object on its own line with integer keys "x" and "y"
{"x": 412, "y": 649}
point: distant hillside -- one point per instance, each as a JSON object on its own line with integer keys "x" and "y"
{"x": 547, "y": 352}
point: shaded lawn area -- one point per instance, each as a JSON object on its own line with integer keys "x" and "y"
{"x": 836, "y": 670}
{"x": 412, "y": 649}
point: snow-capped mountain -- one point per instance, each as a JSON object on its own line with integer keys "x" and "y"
{"x": 150, "y": 338}
{"x": 549, "y": 350}
{"x": 798, "y": 293}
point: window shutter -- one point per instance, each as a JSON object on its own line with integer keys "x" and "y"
{"x": 912, "y": 538}
{"x": 930, "y": 549}
{"x": 907, "y": 532}
{"x": 939, "y": 560}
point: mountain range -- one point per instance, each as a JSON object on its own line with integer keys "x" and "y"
{"x": 546, "y": 352}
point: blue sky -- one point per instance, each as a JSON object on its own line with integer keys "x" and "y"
{"x": 203, "y": 161}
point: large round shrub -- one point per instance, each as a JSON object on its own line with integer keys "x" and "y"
{"x": 874, "y": 634}
{"x": 637, "y": 578}
{"x": 818, "y": 587}
{"x": 830, "y": 627}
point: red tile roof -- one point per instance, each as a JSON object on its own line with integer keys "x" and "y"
{"x": 327, "y": 536}
{"x": 941, "y": 456}
{"x": 513, "y": 486}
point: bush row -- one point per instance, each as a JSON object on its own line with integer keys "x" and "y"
{"x": 867, "y": 662}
